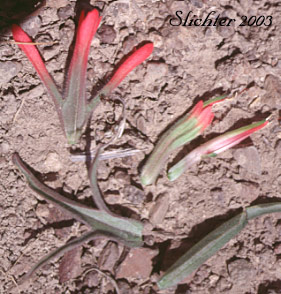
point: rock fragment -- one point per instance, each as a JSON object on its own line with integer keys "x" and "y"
{"x": 249, "y": 159}
{"x": 107, "y": 34}
{"x": 155, "y": 71}
{"x": 272, "y": 85}
{"x": 159, "y": 210}
{"x": 52, "y": 162}
{"x": 239, "y": 269}
{"x": 137, "y": 264}
{"x": 108, "y": 257}
{"x": 70, "y": 266}
{"x": 8, "y": 70}
{"x": 134, "y": 194}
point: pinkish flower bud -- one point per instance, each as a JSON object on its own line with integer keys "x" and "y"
{"x": 205, "y": 118}
{"x": 196, "y": 110}
{"x": 232, "y": 138}
{"x": 214, "y": 147}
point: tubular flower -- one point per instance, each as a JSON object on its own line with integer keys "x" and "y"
{"x": 184, "y": 131}
{"x": 214, "y": 147}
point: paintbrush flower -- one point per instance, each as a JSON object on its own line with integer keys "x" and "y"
{"x": 33, "y": 55}
{"x": 185, "y": 130}
{"x": 73, "y": 108}
{"x": 214, "y": 147}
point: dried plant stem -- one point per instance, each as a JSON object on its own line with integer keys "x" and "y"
{"x": 19, "y": 109}
{"x": 31, "y": 43}
{"x": 106, "y": 155}
{"x": 10, "y": 277}
{"x": 97, "y": 196}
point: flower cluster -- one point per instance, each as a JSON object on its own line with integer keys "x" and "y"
{"x": 73, "y": 108}
{"x": 186, "y": 129}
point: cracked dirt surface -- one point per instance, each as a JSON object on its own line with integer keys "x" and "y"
{"x": 188, "y": 64}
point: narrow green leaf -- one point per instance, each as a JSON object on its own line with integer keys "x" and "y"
{"x": 176, "y": 170}
{"x": 165, "y": 146}
{"x": 94, "y": 102}
{"x": 130, "y": 231}
{"x": 73, "y": 108}
{"x": 24, "y": 42}
{"x": 210, "y": 244}
{"x": 88, "y": 236}
{"x": 97, "y": 195}
{"x": 202, "y": 251}
{"x": 185, "y": 138}
{"x": 183, "y": 131}
{"x": 214, "y": 100}
{"x": 136, "y": 58}
{"x": 261, "y": 209}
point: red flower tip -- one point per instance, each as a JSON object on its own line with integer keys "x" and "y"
{"x": 129, "y": 64}
{"x": 76, "y": 77}
{"x": 31, "y": 51}
{"x": 205, "y": 118}
{"x": 19, "y": 34}
{"x": 197, "y": 109}
{"x": 232, "y": 138}
{"x": 87, "y": 28}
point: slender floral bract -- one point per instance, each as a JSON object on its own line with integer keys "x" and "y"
{"x": 214, "y": 147}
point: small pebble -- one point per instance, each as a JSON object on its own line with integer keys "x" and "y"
{"x": 52, "y": 162}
